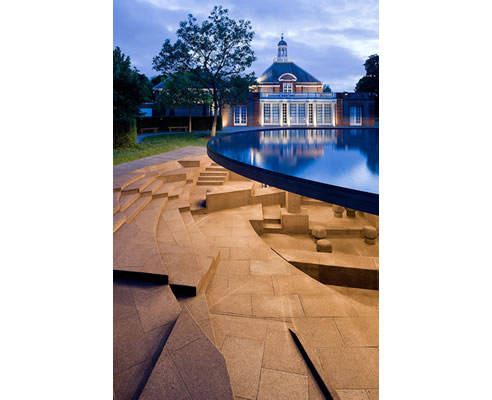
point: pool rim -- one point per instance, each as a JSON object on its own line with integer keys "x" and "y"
{"x": 345, "y": 197}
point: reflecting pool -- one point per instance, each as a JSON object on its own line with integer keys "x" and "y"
{"x": 345, "y": 158}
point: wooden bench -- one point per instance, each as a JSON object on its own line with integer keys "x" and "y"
{"x": 181, "y": 128}
{"x": 153, "y": 130}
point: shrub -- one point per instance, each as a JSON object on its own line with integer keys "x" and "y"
{"x": 124, "y": 132}
{"x": 201, "y": 123}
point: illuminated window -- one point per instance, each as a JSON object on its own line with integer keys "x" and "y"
{"x": 297, "y": 113}
{"x": 301, "y": 111}
{"x": 284, "y": 113}
{"x": 319, "y": 113}
{"x": 267, "y": 116}
{"x": 327, "y": 113}
{"x": 293, "y": 113}
{"x": 240, "y": 113}
{"x": 355, "y": 115}
{"x": 288, "y": 87}
{"x": 323, "y": 114}
{"x": 275, "y": 113}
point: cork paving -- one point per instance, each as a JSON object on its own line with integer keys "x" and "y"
{"x": 227, "y": 289}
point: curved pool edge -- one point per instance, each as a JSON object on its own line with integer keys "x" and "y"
{"x": 349, "y": 198}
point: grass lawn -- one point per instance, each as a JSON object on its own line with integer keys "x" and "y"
{"x": 153, "y": 145}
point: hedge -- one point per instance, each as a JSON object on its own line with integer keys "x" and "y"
{"x": 202, "y": 123}
{"x": 124, "y": 133}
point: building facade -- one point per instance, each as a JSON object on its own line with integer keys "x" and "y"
{"x": 289, "y": 96}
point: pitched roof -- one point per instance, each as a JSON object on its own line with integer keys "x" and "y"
{"x": 277, "y": 69}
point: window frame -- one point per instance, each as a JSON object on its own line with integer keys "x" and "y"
{"x": 287, "y": 87}
{"x": 355, "y": 117}
{"x": 240, "y": 116}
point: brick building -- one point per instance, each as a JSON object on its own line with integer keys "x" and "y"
{"x": 287, "y": 95}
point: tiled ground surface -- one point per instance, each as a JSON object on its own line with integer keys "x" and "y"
{"x": 255, "y": 296}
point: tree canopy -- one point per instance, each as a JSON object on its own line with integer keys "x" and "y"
{"x": 130, "y": 88}
{"x": 370, "y": 82}
{"x": 326, "y": 88}
{"x": 216, "y": 53}
{"x": 180, "y": 89}
{"x": 372, "y": 66}
{"x": 155, "y": 80}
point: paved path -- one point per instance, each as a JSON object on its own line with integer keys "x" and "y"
{"x": 255, "y": 296}
{"x": 188, "y": 151}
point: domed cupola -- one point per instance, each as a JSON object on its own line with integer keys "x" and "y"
{"x": 282, "y": 51}
{"x": 282, "y": 41}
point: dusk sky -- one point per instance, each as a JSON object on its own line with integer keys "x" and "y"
{"x": 330, "y": 39}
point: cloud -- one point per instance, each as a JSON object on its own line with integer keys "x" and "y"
{"x": 329, "y": 39}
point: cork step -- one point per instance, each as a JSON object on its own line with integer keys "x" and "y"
{"x": 206, "y": 253}
{"x": 139, "y": 185}
{"x": 272, "y": 228}
{"x": 177, "y": 192}
{"x": 118, "y": 220}
{"x": 127, "y": 199}
{"x": 168, "y": 188}
{"x": 135, "y": 251}
{"x": 190, "y": 163}
{"x": 177, "y": 254}
{"x": 214, "y": 173}
{"x": 180, "y": 174}
{"x": 271, "y": 214}
{"x": 152, "y": 188}
{"x": 209, "y": 183}
{"x": 215, "y": 169}
{"x": 122, "y": 181}
{"x": 210, "y": 180}
{"x": 198, "y": 203}
{"x": 181, "y": 201}
{"x": 132, "y": 211}
{"x": 116, "y": 202}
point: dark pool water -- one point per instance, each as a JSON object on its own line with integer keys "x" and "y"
{"x": 347, "y": 158}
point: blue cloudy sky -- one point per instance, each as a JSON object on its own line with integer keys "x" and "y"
{"x": 331, "y": 39}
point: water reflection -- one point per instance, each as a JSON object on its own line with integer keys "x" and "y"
{"x": 341, "y": 157}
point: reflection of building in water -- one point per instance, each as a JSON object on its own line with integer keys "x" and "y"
{"x": 367, "y": 143}
{"x": 284, "y": 149}
{"x": 298, "y": 136}
{"x": 289, "y": 145}
{"x": 287, "y": 154}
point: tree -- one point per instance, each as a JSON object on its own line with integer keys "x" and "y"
{"x": 216, "y": 52}
{"x": 130, "y": 88}
{"x": 326, "y": 88}
{"x": 182, "y": 90}
{"x": 155, "y": 80}
{"x": 372, "y": 66}
{"x": 370, "y": 82}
